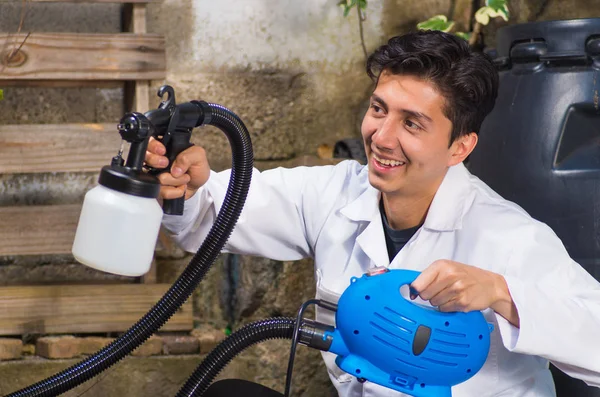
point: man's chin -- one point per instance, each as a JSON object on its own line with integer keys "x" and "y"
{"x": 377, "y": 182}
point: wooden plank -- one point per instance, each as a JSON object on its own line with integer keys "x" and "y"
{"x": 82, "y": 309}
{"x": 37, "y": 230}
{"x": 71, "y": 56}
{"x": 142, "y": 97}
{"x": 139, "y": 18}
{"x": 63, "y": 83}
{"x": 57, "y": 147}
{"x": 94, "y": 1}
{"x": 136, "y": 94}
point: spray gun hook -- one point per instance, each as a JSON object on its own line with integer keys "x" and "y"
{"x": 170, "y": 101}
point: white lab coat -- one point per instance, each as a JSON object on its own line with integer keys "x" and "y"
{"x": 331, "y": 213}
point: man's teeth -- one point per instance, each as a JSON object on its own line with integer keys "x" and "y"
{"x": 391, "y": 163}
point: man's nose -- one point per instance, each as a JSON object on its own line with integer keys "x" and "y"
{"x": 386, "y": 136}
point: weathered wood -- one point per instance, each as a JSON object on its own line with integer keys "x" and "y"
{"x": 36, "y": 230}
{"x": 136, "y": 94}
{"x": 57, "y": 147}
{"x": 63, "y": 83}
{"x": 142, "y": 98}
{"x": 71, "y": 56}
{"x": 139, "y": 18}
{"x": 82, "y": 309}
{"x": 94, "y": 1}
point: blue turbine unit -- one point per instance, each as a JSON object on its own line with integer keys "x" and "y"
{"x": 386, "y": 339}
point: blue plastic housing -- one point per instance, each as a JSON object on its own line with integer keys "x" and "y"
{"x": 386, "y": 339}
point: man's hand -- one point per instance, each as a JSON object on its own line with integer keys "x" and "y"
{"x": 456, "y": 287}
{"x": 189, "y": 171}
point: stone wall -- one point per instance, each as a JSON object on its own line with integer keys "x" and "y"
{"x": 293, "y": 71}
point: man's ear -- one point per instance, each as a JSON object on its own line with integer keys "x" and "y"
{"x": 462, "y": 147}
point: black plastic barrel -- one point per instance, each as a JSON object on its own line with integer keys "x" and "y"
{"x": 540, "y": 146}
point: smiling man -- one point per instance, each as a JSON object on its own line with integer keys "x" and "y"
{"x": 415, "y": 206}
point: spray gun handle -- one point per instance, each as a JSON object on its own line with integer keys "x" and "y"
{"x": 173, "y": 128}
{"x": 178, "y": 142}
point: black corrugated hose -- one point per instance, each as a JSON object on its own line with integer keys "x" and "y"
{"x": 220, "y": 356}
{"x": 242, "y": 164}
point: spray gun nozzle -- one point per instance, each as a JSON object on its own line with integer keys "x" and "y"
{"x": 134, "y": 127}
{"x": 124, "y": 127}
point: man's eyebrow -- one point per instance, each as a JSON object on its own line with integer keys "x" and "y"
{"x": 380, "y": 101}
{"x": 417, "y": 115}
{"x": 411, "y": 113}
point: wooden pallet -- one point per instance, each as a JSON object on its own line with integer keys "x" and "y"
{"x": 128, "y": 59}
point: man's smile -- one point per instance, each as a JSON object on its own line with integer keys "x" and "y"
{"x": 386, "y": 163}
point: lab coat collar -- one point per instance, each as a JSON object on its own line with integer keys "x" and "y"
{"x": 365, "y": 208}
{"x": 450, "y": 201}
{"x": 446, "y": 210}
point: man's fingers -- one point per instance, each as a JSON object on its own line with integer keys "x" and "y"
{"x": 187, "y": 173}
{"x": 167, "y": 179}
{"x": 194, "y": 155}
{"x": 452, "y": 306}
{"x": 172, "y": 192}
{"x": 426, "y": 284}
{"x": 156, "y": 161}
{"x": 156, "y": 147}
{"x": 443, "y": 297}
{"x": 423, "y": 280}
{"x": 181, "y": 164}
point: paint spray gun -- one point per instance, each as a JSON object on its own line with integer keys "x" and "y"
{"x": 127, "y": 190}
{"x": 381, "y": 337}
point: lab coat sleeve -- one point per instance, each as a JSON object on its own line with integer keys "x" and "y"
{"x": 273, "y": 222}
{"x": 558, "y": 304}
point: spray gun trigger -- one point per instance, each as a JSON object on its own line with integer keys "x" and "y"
{"x": 166, "y": 138}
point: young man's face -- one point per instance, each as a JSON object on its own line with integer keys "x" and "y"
{"x": 406, "y": 137}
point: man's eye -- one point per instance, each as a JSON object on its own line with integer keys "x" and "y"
{"x": 376, "y": 108}
{"x": 411, "y": 125}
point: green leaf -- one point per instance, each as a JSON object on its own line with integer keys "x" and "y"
{"x": 362, "y": 4}
{"x": 484, "y": 14}
{"x": 463, "y": 35}
{"x": 1, "y": 94}
{"x": 496, "y": 4}
{"x": 438, "y": 22}
{"x": 500, "y": 6}
{"x": 348, "y": 6}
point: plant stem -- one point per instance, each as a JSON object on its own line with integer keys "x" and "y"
{"x": 475, "y": 35}
{"x": 361, "y": 19}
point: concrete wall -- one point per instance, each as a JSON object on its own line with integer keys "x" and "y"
{"x": 293, "y": 71}
{"x": 290, "y": 69}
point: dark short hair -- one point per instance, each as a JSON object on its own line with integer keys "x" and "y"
{"x": 467, "y": 79}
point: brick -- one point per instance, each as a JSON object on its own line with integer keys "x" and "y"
{"x": 10, "y": 349}
{"x": 208, "y": 337}
{"x": 180, "y": 344}
{"x": 92, "y": 344}
{"x": 152, "y": 347}
{"x": 57, "y": 347}
{"x": 29, "y": 349}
